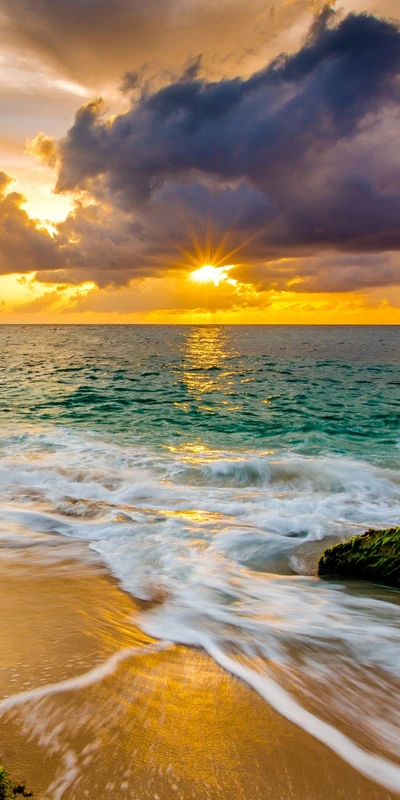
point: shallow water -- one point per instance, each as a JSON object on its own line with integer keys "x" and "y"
{"x": 209, "y": 467}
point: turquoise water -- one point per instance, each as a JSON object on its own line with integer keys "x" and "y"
{"x": 308, "y": 388}
{"x": 210, "y": 467}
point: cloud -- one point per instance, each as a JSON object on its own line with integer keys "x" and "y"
{"x": 299, "y": 158}
{"x": 292, "y": 174}
{"x": 98, "y": 41}
{"x": 47, "y": 301}
{"x": 42, "y": 147}
{"x": 24, "y": 247}
{"x": 257, "y": 129}
{"x": 326, "y": 272}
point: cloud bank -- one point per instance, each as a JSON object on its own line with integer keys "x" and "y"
{"x": 97, "y": 41}
{"x": 295, "y": 167}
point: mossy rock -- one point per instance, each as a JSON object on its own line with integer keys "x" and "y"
{"x": 8, "y": 789}
{"x": 374, "y": 556}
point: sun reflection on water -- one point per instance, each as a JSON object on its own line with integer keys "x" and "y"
{"x": 206, "y": 351}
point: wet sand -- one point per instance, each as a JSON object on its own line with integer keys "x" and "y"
{"x": 159, "y": 725}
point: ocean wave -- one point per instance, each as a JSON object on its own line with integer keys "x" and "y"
{"x": 290, "y": 471}
{"x": 220, "y": 538}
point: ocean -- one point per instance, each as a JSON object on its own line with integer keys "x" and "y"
{"x": 209, "y": 467}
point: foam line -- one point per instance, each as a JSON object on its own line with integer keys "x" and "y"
{"x": 94, "y": 675}
{"x": 377, "y": 769}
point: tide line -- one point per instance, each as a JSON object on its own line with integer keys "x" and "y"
{"x": 377, "y": 769}
{"x": 90, "y": 678}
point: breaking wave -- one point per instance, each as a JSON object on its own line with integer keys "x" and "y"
{"x": 229, "y": 542}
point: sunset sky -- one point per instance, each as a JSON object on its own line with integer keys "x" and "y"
{"x": 188, "y": 161}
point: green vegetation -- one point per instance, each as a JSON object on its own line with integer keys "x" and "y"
{"x": 374, "y": 556}
{"x": 8, "y": 789}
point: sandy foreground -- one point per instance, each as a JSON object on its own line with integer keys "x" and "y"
{"x": 152, "y": 723}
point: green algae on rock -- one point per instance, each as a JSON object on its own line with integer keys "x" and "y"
{"x": 374, "y": 556}
{"x": 8, "y": 789}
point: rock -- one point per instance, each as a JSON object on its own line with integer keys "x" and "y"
{"x": 8, "y": 789}
{"x": 374, "y": 556}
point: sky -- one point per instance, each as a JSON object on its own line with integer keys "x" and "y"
{"x": 199, "y": 161}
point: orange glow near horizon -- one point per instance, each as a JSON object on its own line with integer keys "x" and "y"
{"x": 196, "y": 290}
{"x": 176, "y": 299}
{"x": 23, "y": 294}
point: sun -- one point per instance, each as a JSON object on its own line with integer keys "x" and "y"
{"x": 215, "y": 275}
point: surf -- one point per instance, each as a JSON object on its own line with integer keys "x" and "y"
{"x": 227, "y": 543}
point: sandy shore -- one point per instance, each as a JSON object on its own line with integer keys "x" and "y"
{"x": 157, "y": 724}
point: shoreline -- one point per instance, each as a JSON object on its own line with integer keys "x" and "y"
{"x": 161, "y": 723}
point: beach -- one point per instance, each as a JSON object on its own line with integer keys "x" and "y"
{"x": 165, "y": 495}
{"x": 200, "y": 400}
{"x": 162, "y": 723}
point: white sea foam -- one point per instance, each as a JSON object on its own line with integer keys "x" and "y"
{"x": 220, "y": 536}
{"x": 38, "y": 723}
{"x": 372, "y": 766}
{"x": 93, "y": 676}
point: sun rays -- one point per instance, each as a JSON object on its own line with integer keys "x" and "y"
{"x": 208, "y": 249}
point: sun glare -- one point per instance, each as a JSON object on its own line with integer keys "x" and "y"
{"x": 215, "y": 275}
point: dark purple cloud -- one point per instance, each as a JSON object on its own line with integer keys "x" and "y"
{"x": 300, "y": 161}
{"x": 283, "y": 145}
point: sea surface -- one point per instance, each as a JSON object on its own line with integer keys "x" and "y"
{"x": 210, "y": 466}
